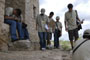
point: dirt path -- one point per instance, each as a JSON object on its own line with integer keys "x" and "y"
{"x": 55, "y": 54}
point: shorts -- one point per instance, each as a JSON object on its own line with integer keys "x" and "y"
{"x": 73, "y": 34}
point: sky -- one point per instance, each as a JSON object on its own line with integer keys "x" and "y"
{"x": 59, "y": 7}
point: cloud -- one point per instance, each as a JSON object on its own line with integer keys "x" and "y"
{"x": 42, "y": 2}
{"x": 76, "y": 3}
{"x": 59, "y": 7}
{"x": 83, "y": 9}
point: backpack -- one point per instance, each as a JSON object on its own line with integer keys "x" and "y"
{"x": 77, "y": 22}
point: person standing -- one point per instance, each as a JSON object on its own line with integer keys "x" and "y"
{"x": 58, "y": 32}
{"x": 42, "y": 27}
{"x": 70, "y": 24}
{"x": 51, "y": 24}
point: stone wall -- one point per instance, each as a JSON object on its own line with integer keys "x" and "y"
{"x": 4, "y": 31}
{"x": 30, "y": 20}
{"x": 27, "y": 7}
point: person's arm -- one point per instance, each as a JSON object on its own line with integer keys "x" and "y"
{"x": 61, "y": 28}
{"x": 77, "y": 17}
{"x": 47, "y": 23}
{"x": 8, "y": 17}
{"x": 66, "y": 28}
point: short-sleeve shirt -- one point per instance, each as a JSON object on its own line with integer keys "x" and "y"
{"x": 41, "y": 21}
{"x": 58, "y": 25}
{"x": 51, "y": 24}
{"x": 70, "y": 18}
{"x": 20, "y": 18}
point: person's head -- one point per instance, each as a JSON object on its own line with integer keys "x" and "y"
{"x": 70, "y": 7}
{"x": 57, "y": 18}
{"x": 17, "y": 12}
{"x": 86, "y": 34}
{"x": 51, "y": 14}
{"x": 42, "y": 11}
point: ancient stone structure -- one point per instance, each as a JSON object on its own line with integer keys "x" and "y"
{"x": 30, "y": 8}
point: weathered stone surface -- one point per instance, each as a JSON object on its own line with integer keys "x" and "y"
{"x": 30, "y": 20}
{"x": 35, "y": 55}
{"x": 3, "y": 28}
{"x": 30, "y": 8}
{"x": 20, "y": 45}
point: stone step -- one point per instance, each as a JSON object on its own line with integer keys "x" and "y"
{"x": 20, "y": 45}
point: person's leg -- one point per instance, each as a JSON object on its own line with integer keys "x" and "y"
{"x": 55, "y": 39}
{"x": 76, "y": 35}
{"x": 70, "y": 33}
{"x": 26, "y": 34}
{"x": 20, "y": 30}
{"x": 44, "y": 39}
{"x": 57, "y": 42}
{"x": 48, "y": 38}
{"x": 12, "y": 28}
{"x": 40, "y": 34}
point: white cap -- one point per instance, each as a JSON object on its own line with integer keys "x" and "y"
{"x": 57, "y": 17}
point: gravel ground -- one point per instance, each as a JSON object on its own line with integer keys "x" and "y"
{"x": 55, "y": 54}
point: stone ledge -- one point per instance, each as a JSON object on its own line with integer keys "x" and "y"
{"x": 20, "y": 45}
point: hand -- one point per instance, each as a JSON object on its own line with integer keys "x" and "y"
{"x": 61, "y": 33}
{"x": 82, "y": 21}
{"x": 66, "y": 29}
{"x": 47, "y": 30}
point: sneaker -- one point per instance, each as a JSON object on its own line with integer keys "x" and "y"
{"x": 43, "y": 49}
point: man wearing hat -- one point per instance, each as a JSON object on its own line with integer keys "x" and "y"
{"x": 58, "y": 32}
{"x": 81, "y": 50}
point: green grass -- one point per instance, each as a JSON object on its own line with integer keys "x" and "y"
{"x": 64, "y": 44}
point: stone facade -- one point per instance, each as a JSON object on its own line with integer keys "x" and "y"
{"x": 30, "y": 8}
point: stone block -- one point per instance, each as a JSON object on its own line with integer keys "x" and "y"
{"x": 19, "y": 45}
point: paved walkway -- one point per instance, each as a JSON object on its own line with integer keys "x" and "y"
{"x": 55, "y": 54}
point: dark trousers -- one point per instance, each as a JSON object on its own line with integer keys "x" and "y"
{"x": 56, "y": 39}
{"x": 25, "y": 32}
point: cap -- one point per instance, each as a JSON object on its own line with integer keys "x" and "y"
{"x": 87, "y": 32}
{"x": 57, "y": 17}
